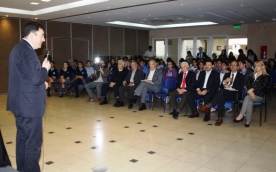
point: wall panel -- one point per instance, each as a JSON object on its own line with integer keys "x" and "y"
{"x": 61, "y": 51}
{"x": 130, "y": 41}
{"x": 80, "y": 50}
{"x": 9, "y": 37}
{"x": 116, "y": 41}
{"x": 143, "y": 41}
{"x": 100, "y": 41}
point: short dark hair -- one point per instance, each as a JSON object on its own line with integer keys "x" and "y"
{"x": 150, "y": 47}
{"x": 88, "y": 61}
{"x": 224, "y": 62}
{"x": 31, "y": 27}
{"x": 243, "y": 62}
{"x": 75, "y": 60}
{"x": 210, "y": 61}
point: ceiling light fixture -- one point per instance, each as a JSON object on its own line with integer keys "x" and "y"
{"x": 46, "y": 0}
{"x": 36, "y": 18}
{"x": 88, "y": 17}
{"x": 180, "y": 18}
{"x": 107, "y": 14}
{"x": 257, "y": 20}
{"x": 34, "y": 3}
{"x": 241, "y": 5}
{"x": 129, "y": 11}
{"x": 242, "y": 21}
{"x": 7, "y": 15}
{"x": 150, "y": 15}
{"x": 199, "y": 9}
{"x": 274, "y": 19}
{"x": 161, "y": 26}
{"x": 182, "y": 4}
{"x": 144, "y": 19}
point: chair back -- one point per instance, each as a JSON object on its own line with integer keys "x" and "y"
{"x": 169, "y": 82}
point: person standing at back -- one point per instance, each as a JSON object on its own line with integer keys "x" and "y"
{"x": 26, "y": 96}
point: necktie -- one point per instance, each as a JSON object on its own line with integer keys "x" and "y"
{"x": 183, "y": 81}
{"x": 232, "y": 80}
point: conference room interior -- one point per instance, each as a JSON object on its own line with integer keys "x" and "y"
{"x": 79, "y": 135}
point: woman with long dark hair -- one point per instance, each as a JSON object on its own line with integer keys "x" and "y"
{"x": 65, "y": 77}
{"x": 170, "y": 71}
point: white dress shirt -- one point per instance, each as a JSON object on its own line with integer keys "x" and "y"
{"x": 149, "y": 53}
{"x": 150, "y": 76}
{"x": 206, "y": 78}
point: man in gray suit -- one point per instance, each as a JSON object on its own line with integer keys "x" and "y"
{"x": 152, "y": 83}
{"x": 26, "y": 96}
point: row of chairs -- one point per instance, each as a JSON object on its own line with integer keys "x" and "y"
{"x": 169, "y": 83}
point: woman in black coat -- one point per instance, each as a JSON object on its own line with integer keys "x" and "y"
{"x": 256, "y": 86}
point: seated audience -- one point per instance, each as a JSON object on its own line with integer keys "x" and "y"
{"x": 256, "y": 88}
{"x": 152, "y": 82}
{"x": 194, "y": 66}
{"x": 90, "y": 71}
{"x": 231, "y": 57}
{"x": 128, "y": 65}
{"x": 170, "y": 71}
{"x": 80, "y": 77}
{"x": 52, "y": 77}
{"x": 214, "y": 56}
{"x": 65, "y": 77}
{"x": 201, "y": 68}
{"x": 206, "y": 86}
{"x": 186, "y": 82}
{"x": 251, "y": 55}
{"x": 116, "y": 81}
{"x": 223, "y": 55}
{"x": 100, "y": 77}
{"x": 241, "y": 56}
{"x": 232, "y": 82}
{"x": 189, "y": 57}
{"x": 218, "y": 65}
{"x": 143, "y": 67}
{"x": 74, "y": 66}
{"x": 249, "y": 64}
{"x": 245, "y": 71}
{"x": 163, "y": 64}
{"x": 130, "y": 83}
{"x": 201, "y": 54}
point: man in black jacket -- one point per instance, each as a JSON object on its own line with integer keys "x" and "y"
{"x": 233, "y": 84}
{"x": 206, "y": 86}
{"x": 130, "y": 83}
{"x": 186, "y": 82}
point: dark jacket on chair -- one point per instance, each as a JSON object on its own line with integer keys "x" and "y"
{"x": 212, "y": 83}
{"x": 190, "y": 81}
{"x": 259, "y": 85}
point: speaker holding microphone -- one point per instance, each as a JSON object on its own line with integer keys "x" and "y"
{"x": 48, "y": 56}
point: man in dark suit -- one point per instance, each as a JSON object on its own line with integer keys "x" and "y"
{"x": 26, "y": 96}
{"x": 186, "y": 82}
{"x": 201, "y": 54}
{"x": 130, "y": 83}
{"x": 206, "y": 86}
{"x": 151, "y": 83}
{"x": 232, "y": 82}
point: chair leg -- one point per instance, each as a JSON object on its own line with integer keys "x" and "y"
{"x": 261, "y": 115}
{"x": 265, "y": 111}
{"x": 153, "y": 99}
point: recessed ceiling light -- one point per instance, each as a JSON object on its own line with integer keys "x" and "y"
{"x": 107, "y": 14}
{"x": 144, "y": 19}
{"x": 257, "y": 20}
{"x": 150, "y": 15}
{"x": 128, "y": 17}
{"x": 241, "y": 5}
{"x": 129, "y": 11}
{"x": 242, "y": 21}
{"x": 180, "y": 18}
{"x": 187, "y": 19}
{"x": 161, "y": 26}
{"x": 199, "y": 9}
{"x": 34, "y": 3}
{"x": 87, "y": 17}
{"x": 182, "y": 4}
{"x": 46, "y": 0}
{"x": 108, "y": 7}
{"x": 274, "y": 19}
{"x": 7, "y": 15}
{"x": 67, "y": 14}
{"x": 86, "y": 11}
{"x": 36, "y": 18}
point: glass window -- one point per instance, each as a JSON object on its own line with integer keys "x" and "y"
{"x": 203, "y": 43}
{"x": 219, "y": 44}
{"x": 160, "y": 48}
{"x": 187, "y": 45}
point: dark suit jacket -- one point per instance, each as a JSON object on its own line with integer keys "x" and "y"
{"x": 204, "y": 55}
{"x": 26, "y": 91}
{"x": 190, "y": 81}
{"x": 238, "y": 83}
{"x": 212, "y": 83}
{"x": 118, "y": 77}
{"x": 156, "y": 79}
{"x": 138, "y": 76}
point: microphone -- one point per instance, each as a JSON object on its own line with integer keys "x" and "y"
{"x": 48, "y": 55}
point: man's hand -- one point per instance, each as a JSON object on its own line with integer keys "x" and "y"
{"x": 124, "y": 83}
{"x": 112, "y": 84}
{"x": 46, "y": 64}
{"x": 46, "y": 85}
{"x": 181, "y": 91}
{"x": 227, "y": 80}
{"x": 199, "y": 92}
{"x": 226, "y": 86}
{"x": 204, "y": 92}
{"x": 130, "y": 84}
{"x": 252, "y": 95}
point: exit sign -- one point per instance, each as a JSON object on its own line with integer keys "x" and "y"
{"x": 237, "y": 26}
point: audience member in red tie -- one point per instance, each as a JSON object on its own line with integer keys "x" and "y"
{"x": 186, "y": 83}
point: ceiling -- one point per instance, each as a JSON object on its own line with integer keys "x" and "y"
{"x": 149, "y": 12}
